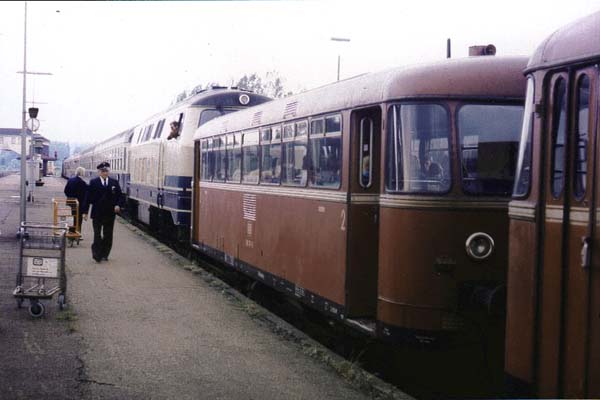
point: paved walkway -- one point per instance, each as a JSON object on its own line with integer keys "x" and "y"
{"x": 148, "y": 324}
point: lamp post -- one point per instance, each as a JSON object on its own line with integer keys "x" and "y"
{"x": 338, "y": 39}
{"x": 23, "y": 208}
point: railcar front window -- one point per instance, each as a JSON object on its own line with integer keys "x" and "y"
{"x": 583, "y": 100}
{"x": 207, "y": 115}
{"x": 489, "y": 141}
{"x": 559, "y": 130}
{"x": 417, "y": 157}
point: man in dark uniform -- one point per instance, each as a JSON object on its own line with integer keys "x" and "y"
{"x": 105, "y": 197}
{"x": 76, "y": 189}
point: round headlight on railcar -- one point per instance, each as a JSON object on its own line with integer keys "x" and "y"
{"x": 479, "y": 246}
{"x": 244, "y": 99}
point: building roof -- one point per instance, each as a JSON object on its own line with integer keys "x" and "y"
{"x": 13, "y": 131}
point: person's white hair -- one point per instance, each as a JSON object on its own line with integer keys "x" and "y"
{"x": 79, "y": 171}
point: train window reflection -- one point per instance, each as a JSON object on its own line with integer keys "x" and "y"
{"x": 220, "y": 159}
{"x": 523, "y": 171}
{"x": 207, "y": 115}
{"x": 559, "y": 130}
{"x": 333, "y": 124}
{"x": 159, "y": 128}
{"x": 250, "y": 157}
{"x": 295, "y": 162}
{"x": 270, "y": 158}
{"x": 417, "y": 156}
{"x": 366, "y": 148}
{"x": 583, "y": 94}
{"x": 302, "y": 128}
{"x": 325, "y": 162}
{"x": 234, "y": 158}
{"x": 317, "y": 127}
{"x": 489, "y": 141}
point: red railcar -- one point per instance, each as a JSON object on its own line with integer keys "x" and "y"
{"x": 553, "y": 307}
{"x": 380, "y": 200}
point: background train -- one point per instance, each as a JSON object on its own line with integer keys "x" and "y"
{"x": 153, "y": 160}
{"x": 553, "y": 318}
{"x": 380, "y": 201}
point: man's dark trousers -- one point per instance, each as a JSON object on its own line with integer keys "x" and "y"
{"x": 103, "y": 236}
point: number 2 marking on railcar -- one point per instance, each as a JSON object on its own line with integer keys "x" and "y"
{"x": 343, "y": 227}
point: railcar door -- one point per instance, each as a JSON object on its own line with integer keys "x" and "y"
{"x": 568, "y": 289}
{"x": 363, "y": 213}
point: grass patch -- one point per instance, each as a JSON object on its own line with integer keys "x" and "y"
{"x": 69, "y": 316}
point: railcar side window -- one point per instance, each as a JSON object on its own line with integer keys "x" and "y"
{"x": 208, "y": 163}
{"x": 417, "y": 157}
{"x": 220, "y": 159}
{"x": 326, "y": 154}
{"x": 523, "y": 174}
{"x": 159, "y": 128}
{"x": 295, "y": 162}
{"x": 559, "y": 131}
{"x": 489, "y": 140}
{"x": 270, "y": 156}
{"x": 250, "y": 157}
{"x": 583, "y": 94}
{"x": 148, "y": 132}
{"x": 234, "y": 158}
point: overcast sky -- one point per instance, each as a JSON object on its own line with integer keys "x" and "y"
{"x": 116, "y": 63}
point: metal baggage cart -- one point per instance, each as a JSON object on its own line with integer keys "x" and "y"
{"x": 41, "y": 272}
{"x": 66, "y": 211}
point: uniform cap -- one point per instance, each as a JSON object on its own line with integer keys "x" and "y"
{"x": 103, "y": 166}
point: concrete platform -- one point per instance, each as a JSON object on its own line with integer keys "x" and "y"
{"x": 147, "y": 324}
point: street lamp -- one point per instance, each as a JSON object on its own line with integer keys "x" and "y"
{"x": 337, "y": 39}
{"x": 23, "y": 209}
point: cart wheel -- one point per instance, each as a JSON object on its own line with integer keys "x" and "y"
{"x": 36, "y": 309}
{"x": 61, "y": 302}
{"x": 19, "y": 302}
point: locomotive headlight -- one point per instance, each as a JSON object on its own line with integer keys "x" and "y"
{"x": 244, "y": 99}
{"x": 479, "y": 246}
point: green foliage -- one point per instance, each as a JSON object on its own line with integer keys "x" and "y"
{"x": 270, "y": 85}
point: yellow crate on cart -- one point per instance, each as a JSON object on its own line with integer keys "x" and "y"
{"x": 66, "y": 212}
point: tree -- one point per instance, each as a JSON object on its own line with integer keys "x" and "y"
{"x": 271, "y": 85}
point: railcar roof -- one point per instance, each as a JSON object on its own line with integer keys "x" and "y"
{"x": 475, "y": 77}
{"x": 578, "y": 41}
{"x": 222, "y": 96}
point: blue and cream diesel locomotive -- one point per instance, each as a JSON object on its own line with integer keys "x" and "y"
{"x": 154, "y": 159}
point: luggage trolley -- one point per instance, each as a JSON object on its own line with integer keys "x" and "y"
{"x": 41, "y": 266}
{"x": 66, "y": 211}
